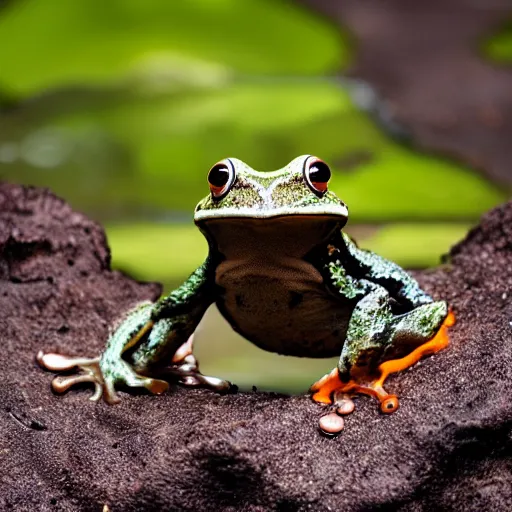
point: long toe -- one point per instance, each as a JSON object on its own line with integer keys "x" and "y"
{"x": 343, "y": 403}
{"x": 324, "y": 389}
{"x": 187, "y": 374}
{"x": 59, "y": 363}
{"x": 156, "y": 386}
{"x": 214, "y": 383}
{"x": 63, "y": 383}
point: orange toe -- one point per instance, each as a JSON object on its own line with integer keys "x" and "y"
{"x": 324, "y": 389}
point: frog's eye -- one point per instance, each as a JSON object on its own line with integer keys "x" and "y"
{"x": 317, "y": 175}
{"x": 221, "y": 178}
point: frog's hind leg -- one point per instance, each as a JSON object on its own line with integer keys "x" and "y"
{"x": 437, "y": 342}
{"x": 375, "y": 335}
{"x": 184, "y": 367}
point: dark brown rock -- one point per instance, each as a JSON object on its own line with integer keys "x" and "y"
{"x": 425, "y": 59}
{"x": 448, "y": 447}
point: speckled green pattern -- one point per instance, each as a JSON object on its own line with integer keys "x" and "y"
{"x": 368, "y": 331}
{"x": 113, "y": 368}
{"x": 242, "y": 193}
{"x": 166, "y": 336}
{"x": 127, "y": 329}
{"x": 170, "y": 322}
{"x": 368, "y": 283}
{"x": 375, "y": 333}
{"x": 388, "y": 274}
{"x": 195, "y": 290}
{"x": 348, "y": 286}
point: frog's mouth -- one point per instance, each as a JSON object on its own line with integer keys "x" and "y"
{"x": 327, "y": 212}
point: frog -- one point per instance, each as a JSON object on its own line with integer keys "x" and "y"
{"x": 285, "y": 275}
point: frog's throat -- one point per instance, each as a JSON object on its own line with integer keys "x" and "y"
{"x": 338, "y": 211}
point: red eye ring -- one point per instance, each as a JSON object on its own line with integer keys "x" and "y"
{"x": 317, "y": 175}
{"x": 221, "y": 178}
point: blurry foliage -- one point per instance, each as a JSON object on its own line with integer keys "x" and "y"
{"x": 151, "y": 153}
{"x": 146, "y": 96}
{"x": 498, "y": 47}
{"x": 415, "y": 246}
{"x": 56, "y": 43}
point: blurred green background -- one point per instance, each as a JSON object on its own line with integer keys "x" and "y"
{"x": 121, "y": 107}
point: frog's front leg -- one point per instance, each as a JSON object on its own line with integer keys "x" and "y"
{"x": 140, "y": 350}
{"x": 378, "y": 343}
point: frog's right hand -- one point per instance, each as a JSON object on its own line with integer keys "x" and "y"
{"x": 109, "y": 370}
{"x": 89, "y": 370}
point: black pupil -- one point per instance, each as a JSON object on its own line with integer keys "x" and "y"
{"x": 319, "y": 172}
{"x": 218, "y": 176}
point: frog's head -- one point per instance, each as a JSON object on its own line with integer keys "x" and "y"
{"x": 289, "y": 203}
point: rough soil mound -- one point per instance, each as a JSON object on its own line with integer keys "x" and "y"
{"x": 425, "y": 59}
{"x": 448, "y": 446}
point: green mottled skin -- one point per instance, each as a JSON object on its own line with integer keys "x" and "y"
{"x": 278, "y": 263}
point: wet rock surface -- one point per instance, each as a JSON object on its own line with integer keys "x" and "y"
{"x": 425, "y": 60}
{"x": 448, "y": 447}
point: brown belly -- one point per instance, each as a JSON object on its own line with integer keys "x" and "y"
{"x": 283, "y": 308}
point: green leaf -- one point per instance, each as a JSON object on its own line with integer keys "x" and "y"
{"x": 57, "y": 43}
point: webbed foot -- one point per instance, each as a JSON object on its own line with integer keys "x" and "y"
{"x": 185, "y": 369}
{"x": 89, "y": 371}
{"x": 331, "y": 386}
{"x": 332, "y": 390}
